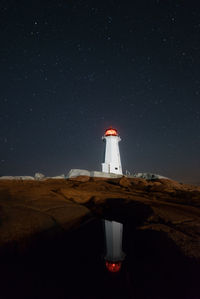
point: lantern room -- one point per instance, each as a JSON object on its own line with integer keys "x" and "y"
{"x": 111, "y": 132}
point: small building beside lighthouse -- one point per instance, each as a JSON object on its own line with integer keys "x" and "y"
{"x": 112, "y": 163}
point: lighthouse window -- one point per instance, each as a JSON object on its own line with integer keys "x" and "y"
{"x": 116, "y": 168}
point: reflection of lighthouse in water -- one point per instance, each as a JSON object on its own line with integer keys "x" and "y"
{"x": 114, "y": 254}
{"x": 113, "y": 230}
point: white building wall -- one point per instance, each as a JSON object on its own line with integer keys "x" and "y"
{"x": 112, "y": 162}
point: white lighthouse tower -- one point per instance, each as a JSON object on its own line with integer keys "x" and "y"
{"x": 112, "y": 162}
{"x": 113, "y": 230}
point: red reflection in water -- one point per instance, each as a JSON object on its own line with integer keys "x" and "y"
{"x": 113, "y": 267}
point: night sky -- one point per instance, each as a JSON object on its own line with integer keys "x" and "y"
{"x": 70, "y": 69}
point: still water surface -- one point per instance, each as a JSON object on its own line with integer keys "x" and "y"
{"x": 73, "y": 265}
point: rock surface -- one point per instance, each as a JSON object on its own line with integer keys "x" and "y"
{"x": 73, "y": 173}
{"x": 29, "y": 207}
{"x": 160, "y": 215}
{"x": 148, "y": 176}
{"x": 20, "y": 177}
{"x": 39, "y": 176}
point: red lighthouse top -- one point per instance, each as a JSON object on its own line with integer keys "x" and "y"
{"x": 111, "y": 132}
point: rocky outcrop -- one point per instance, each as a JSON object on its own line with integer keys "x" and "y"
{"x": 19, "y": 177}
{"x": 28, "y": 207}
{"x": 74, "y": 173}
{"x": 78, "y": 172}
{"x": 39, "y": 176}
{"x": 42, "y": 228}
{"x": 147, "y": 176}
{"x": 82, "y": 172}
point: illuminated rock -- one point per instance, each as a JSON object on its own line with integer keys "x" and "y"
{"x": 19, "y": 177}
{"x": 147, "y": 176}
{"x": 78, "y": 172}
{"x": 74, "y": 173}
{"x": 39, "y": 176}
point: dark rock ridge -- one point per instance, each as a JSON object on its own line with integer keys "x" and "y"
{"x": 39, "y": 219}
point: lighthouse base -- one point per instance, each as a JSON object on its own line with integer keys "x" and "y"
{"x": 111, "y": 168}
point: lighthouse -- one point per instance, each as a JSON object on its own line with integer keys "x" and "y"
{"x": 112, "y": 163}
{"x": 113, "y": 230}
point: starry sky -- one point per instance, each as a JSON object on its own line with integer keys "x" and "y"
{"x": 71, "y": 68}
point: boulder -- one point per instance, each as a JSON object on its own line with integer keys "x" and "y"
{"x": 6, "y": 177}
{"x": 147, "y": 176}
{"x": 21, "y": 177}
{"x": 62, "y": 176}
{"x": 78, "y": 172}
{"x": 39, "y": 176}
